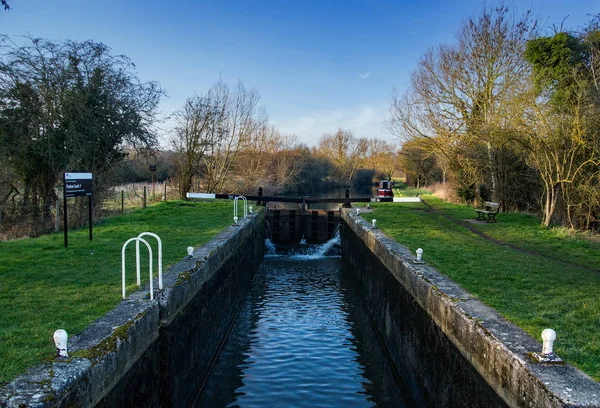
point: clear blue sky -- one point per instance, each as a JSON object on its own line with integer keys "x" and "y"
{"x": 318, "y": 65}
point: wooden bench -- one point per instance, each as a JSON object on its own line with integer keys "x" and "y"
{"x": 488, "y": 213}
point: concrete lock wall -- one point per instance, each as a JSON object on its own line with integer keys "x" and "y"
{"x": 153, "y": 353}
{"x": 449, "y": 343}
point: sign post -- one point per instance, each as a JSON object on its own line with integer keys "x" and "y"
{"x": 77, "y": 185}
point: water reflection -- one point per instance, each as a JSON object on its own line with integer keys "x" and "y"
{"x": 302, "y": 338}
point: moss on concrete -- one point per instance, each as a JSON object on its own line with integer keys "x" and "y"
{"x": 106, "y": 346}
{"x": 184, "y": 277}
{"x": 96, "y": 353}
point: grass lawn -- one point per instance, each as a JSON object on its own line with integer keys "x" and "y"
{"x": 410, "y": 192}
{"x": 44, "y": 287}
{"x": 525, "y": 231}
{"x": 531, "y": 292}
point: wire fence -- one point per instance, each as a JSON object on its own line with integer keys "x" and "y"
{"x": 137, "y": 195}
{"x": 17, "y": 221}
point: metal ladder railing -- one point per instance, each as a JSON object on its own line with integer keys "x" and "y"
{"x": 235, "y": 207}
{"x": 137, "y": 240}
{"x": 137, "y": 250}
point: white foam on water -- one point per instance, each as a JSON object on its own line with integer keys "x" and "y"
{"x": 305, "y": 251}
{"x": 269, "y": 247}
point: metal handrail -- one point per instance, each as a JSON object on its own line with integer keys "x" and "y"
{"x": 235, "y": 206}
{"x": 137, "y": 249}
{"x": 137, "y": 239}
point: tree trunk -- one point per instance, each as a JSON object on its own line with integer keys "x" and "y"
{"x": 26, "y": 204}
{"x": 492, "y": 165}
{"x": 551, "y": 197}
{"x": 48, "y": 197}
{"x": 185, "y": 184}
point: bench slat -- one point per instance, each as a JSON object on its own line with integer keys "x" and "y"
{"x": 491, "y": 209}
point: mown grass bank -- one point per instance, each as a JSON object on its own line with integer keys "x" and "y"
{"x": 525, "y": 231}
{"x": 531, "y": 291}
{"x": 44, "y": 287}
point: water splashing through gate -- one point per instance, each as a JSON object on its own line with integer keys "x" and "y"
{"x": 306, "y": 251}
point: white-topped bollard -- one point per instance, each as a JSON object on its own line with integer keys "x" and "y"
{"x": 250, "y": 209}
{"x": 357, "y": 211}
{"x": 547, "y": 355}
{"x": 419, "y": 254}
{"x": 548, "y": 337}
{"x": 60, "y": 341}
{"x": 235, "y": 219}
{"x": 190, "y": 251}
{"x": 374, "y": 222}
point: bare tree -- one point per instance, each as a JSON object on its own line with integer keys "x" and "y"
{"x": 561, "y": 149}
{"x": 467, "y": 94}
{"x": 189, "y": 141}
{"x": 418, "y": 164}
{"x": 224, "y": 141}
{"x": 268, "y": 160}
{"x": 236, "y": 116}
{"x": 345, "y": 151}
{"x": 375, "y": 147}
{"x": 381, "y": 157}
{"x": 564, "y": 133}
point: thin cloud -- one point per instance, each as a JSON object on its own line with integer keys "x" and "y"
{"x": 364, "y": 75}
{"x": 365, "y": 121}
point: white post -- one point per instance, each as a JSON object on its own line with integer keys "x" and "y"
{"x": 374, "y": 223}
{"x": 160, "y": 283}
{"x": 419, "y": 254}
{"x": 60, "y": 341}
{"x": 190, "y": 251}
{"x": 548, "y": 336}
{"x": 149, "y": 261}
{"x": 250, "y": 209}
